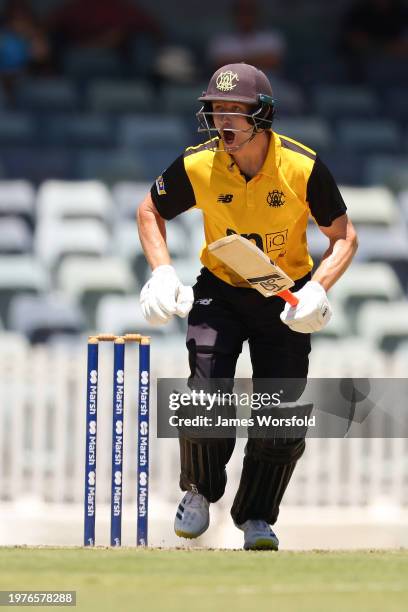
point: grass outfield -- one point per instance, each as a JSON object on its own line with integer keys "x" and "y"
{"x": 195, "y": 580}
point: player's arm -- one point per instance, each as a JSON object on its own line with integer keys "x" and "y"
{"x": 342, "y": 247}
{"x": 152, "y": 233}
{"x": 164, "y": 295}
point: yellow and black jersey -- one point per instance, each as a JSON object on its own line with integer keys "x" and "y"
{"x": 271, "y": 209}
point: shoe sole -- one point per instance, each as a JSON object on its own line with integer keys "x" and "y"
{"x": 188, "y": 535}
{"x": 262, "y": 544}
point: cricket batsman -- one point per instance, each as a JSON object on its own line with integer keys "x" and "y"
{"x": 249, "y": 180}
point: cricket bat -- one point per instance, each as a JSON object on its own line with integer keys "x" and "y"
{"x": 247, "y": 260}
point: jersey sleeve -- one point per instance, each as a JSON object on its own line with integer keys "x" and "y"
{"x": 323, "y": 195}
{"x": 172, "y": 192}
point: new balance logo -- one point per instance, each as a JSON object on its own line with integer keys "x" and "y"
{"x": 204, "y": 301}
{"x": 225, "y": 198}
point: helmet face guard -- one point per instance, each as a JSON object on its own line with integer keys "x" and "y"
{"x": 259, "y": 120}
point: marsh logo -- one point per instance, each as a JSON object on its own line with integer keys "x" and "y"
{"x": 144, "y": 377}
{"x": 275, "y": 198}
{"x": 143, "y": 479}
{"x": 92, "y": 427}
{"x": 120, "y": 377}
{"x": 160, "y": 186}
{"x": 118, "y": 478}
{"x": 143, "y": 428}
{"x": 119, "y": 427}
{"x": 227, "y": 81}
{"x": 91, "y": 479}
{"x": 93, "y": 377}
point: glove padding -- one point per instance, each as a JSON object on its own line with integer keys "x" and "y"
{"x": 164, "y": 296}
{"x": 313, "y": 311}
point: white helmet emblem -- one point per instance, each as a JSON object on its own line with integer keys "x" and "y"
{"x": 225, "y": 80}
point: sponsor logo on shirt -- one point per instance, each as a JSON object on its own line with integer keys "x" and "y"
{"x": 275, "y": 198}
{"x": 276, "y": 241}
{"x": 225, "y": 198}
{"x": 160, "y": 186}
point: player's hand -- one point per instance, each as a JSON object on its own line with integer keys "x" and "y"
{"x": 313, "y": 311}
{"x": 164, "y": 296}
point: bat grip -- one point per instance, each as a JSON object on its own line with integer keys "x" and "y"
{"x": 289, "y": 297}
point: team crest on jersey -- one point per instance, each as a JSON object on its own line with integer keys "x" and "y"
{"x": 275, "y": 198}
{"x": 160, "y": 186}
{"x": 226, "y": 81}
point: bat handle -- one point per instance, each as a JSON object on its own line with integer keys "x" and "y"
{"x": 289, "y": 297}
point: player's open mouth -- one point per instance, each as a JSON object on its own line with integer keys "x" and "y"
{"x": 228, "y": 137}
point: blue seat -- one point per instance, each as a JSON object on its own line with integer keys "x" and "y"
{"x": 310, "y": 131}
{"x": 139, "y": 130}
{"x": 92, "y": 62}
{"x": 47, "y": 94}
{"x": 182, "y": 99}
{"x": 17, "y": 128}
{"x": 389, "y": 170}
{"x": 88, "y": 130}
{"x": 119, "y": 97}
{"x": 346, "y": 169}
{"x": 345, "y": 101}
{"x": 111, "y": 165}
{"x": 37, "y": 164}
{"x": 382, "y": 135}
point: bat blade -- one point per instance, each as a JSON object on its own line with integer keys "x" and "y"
{"x": 244, "y": 258}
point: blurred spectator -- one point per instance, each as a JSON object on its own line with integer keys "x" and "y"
{"x": 110, "y": 24}
{"x": 262, "y": 48}
{"x": 23, "y": 44}
{"x": 373, "y": 28}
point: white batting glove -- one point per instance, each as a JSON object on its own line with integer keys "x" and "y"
{"x": 313, "y": 311}
{"x": 164, "y": 296}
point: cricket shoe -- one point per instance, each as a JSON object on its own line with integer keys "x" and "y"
{"x": 258, "y": 535}
{"x": 192, "y": 516}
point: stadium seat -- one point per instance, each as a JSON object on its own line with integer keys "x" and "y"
{"x": 55, "y": 240}
{"x": 119, "y": 97}
{"x": 40, "y": 317}
{"x": 317, "y": 243}
{"x": 119, "y": 314}
{"x": 157, "y": 158}
{"x": 182, "y": 99}
{"x": 188, "y": 269}
{"x": 396, "y": 103}
{"x": 111, "y": 166}
{"x": 20, "y": 274}
{"x": 291, "y": 100}
{"x": 127, "y": 244}
{"x": 17, "y": 200}
{"x": 74, "y": 200}
{"x": 137, "y": 131}
{"x": 366, "y": 282}
{"x": 375, "y": 206}
{"x": 17, "y": 128}
{"x": 364, "y": 135}
{"x": 86, "y": 280}
{"x": 15, "y": 237}
{"x": 345, "y": 101}
{"x": 47, "y": 94}
{"x": 127, "y": 197}
{"x": 389, "y": 245}
{"x": 313, "y": 132}
{"x": 346, "y": 169}
{"x": 37, "y": 163}
{"x": 92, "y": 62}
{"x": 388, "y": 170}
{"x": 353, "y": 357}
{"x": 84, "y": 130}
{"x": 384, "y": 324}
